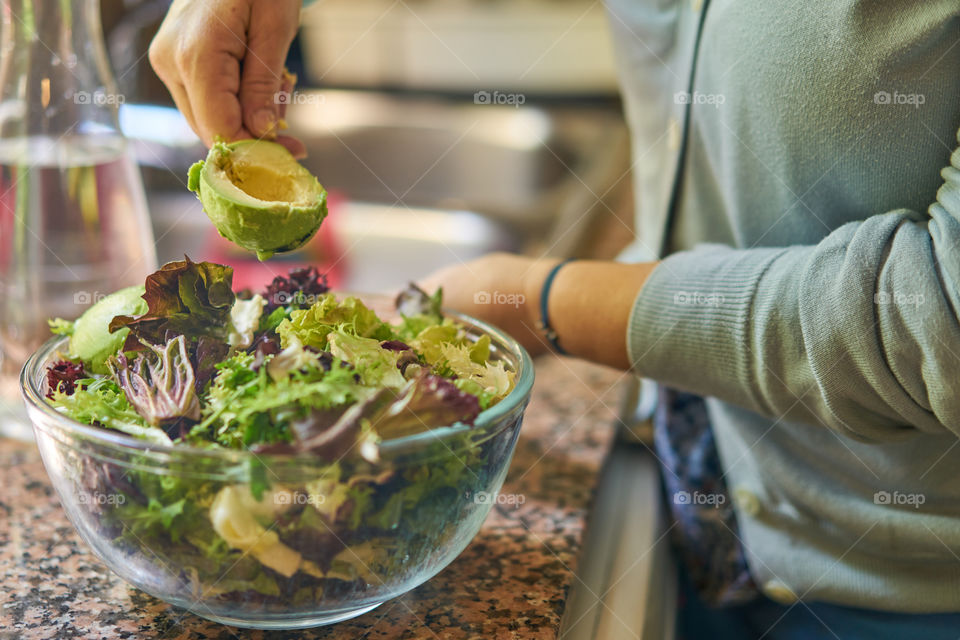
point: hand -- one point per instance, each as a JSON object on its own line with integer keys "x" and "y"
{"x": 223, "y": 63}
{"x": 589, "y": 301}
{"x": 500, "y": 288}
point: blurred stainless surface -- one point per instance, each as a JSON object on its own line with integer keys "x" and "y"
{"x": 422, "y": 181}
{"x": 626, "y": 586}
{"x": 522, "y": 164}
{"x": 541, "y": 46}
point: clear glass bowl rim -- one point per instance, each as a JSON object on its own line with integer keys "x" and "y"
{"x": 490, "y": 420}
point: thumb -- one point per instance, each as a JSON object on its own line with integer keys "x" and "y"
{"x": 272, "y": 27}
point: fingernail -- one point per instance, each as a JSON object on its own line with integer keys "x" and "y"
{"x": 265, "y": 123}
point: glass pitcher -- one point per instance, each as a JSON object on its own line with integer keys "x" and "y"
{"x": 73, "y": 215}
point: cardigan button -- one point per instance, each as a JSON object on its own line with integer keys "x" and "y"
{"x": 747, "y": 501}
{"x": 779, "y": 592}
{"x": 673, "y": 134}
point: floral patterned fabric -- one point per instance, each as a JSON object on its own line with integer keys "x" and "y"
{"x": 706, "y": 532}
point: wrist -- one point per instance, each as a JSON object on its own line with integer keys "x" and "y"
{"x": 589, "y": 307}
{"x": 532, "y": 286}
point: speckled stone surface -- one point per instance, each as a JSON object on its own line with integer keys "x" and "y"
{"x": 511, "y": 582}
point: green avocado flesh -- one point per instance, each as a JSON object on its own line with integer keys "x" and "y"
{"x": 258, "y": 196}
{"x": 91, "y": 340}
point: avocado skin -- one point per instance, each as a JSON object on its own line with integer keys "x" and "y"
{"x": 264, "y": 230}
{"x": 92, "y": 341}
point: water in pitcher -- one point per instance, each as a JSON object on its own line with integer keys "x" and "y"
{"x": 73, "y": 228}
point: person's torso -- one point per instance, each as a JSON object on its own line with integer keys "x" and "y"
{"x": 786, "y": 120}
{"x": 801, "y": 116}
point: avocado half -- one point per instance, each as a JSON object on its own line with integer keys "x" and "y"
{"x": 258, "y": 196}
{"x": 91, "y": 340}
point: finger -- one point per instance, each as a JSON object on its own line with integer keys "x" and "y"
{"x": 272, "y": 27}
{"x": 287, "y": 83}
{"x": 210, "y": 70}
{"x": 161, "y": 60}
{"x": 213, "y": 98}
{"x": 179, "y": 94}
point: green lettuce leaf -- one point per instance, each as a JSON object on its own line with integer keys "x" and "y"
{"x": 470, "y": 364}
{"x": 246, "y": 407}
{"x": 100, "y": 401}
{"x": 155, "y": 515}
{"x": 376, "y": 366}
{"x": 61, "y": 327}
{"x": 429, "y": 342}
{"x": 311, "y": 326}
{"x": 484, "y": 396}
{"x": 271, "y": 321}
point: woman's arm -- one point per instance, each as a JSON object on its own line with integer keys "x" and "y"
{"x": 859, "y": 333}
{"x": 589, "y": 302}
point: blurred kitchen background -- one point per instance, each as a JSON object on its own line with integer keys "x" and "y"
{"x": 443, "y": 130}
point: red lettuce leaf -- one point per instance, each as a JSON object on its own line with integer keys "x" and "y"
{"x": 62, "y": 376}
{"x": 183, "y": 298}
{"x": 159, "y": 383}
{"x": 299, "y": 289}
{"x": 428, "y": 402}
{"x": 208, "y": 354}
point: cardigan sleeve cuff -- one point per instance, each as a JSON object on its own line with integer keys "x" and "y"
{"x": 690, "y": 325}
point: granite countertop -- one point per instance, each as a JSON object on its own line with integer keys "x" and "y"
{"x": 511, "y": 582}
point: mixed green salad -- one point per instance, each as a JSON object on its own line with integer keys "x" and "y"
{"x": 293, "y": 371}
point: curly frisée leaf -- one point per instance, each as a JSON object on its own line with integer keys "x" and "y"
{"x": 311, "y": 326}
{"x": 491, "y": 378}
{"x": 61, "y": 327}
{"x": 375, "y": 365}
{"x": 103, "y": 402}
{"x": 430, "y": 340}
{"x": 183, "y": 298}
{"x": 246, "y": 407}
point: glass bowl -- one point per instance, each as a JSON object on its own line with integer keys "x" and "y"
{"x": 154, "y": 513}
